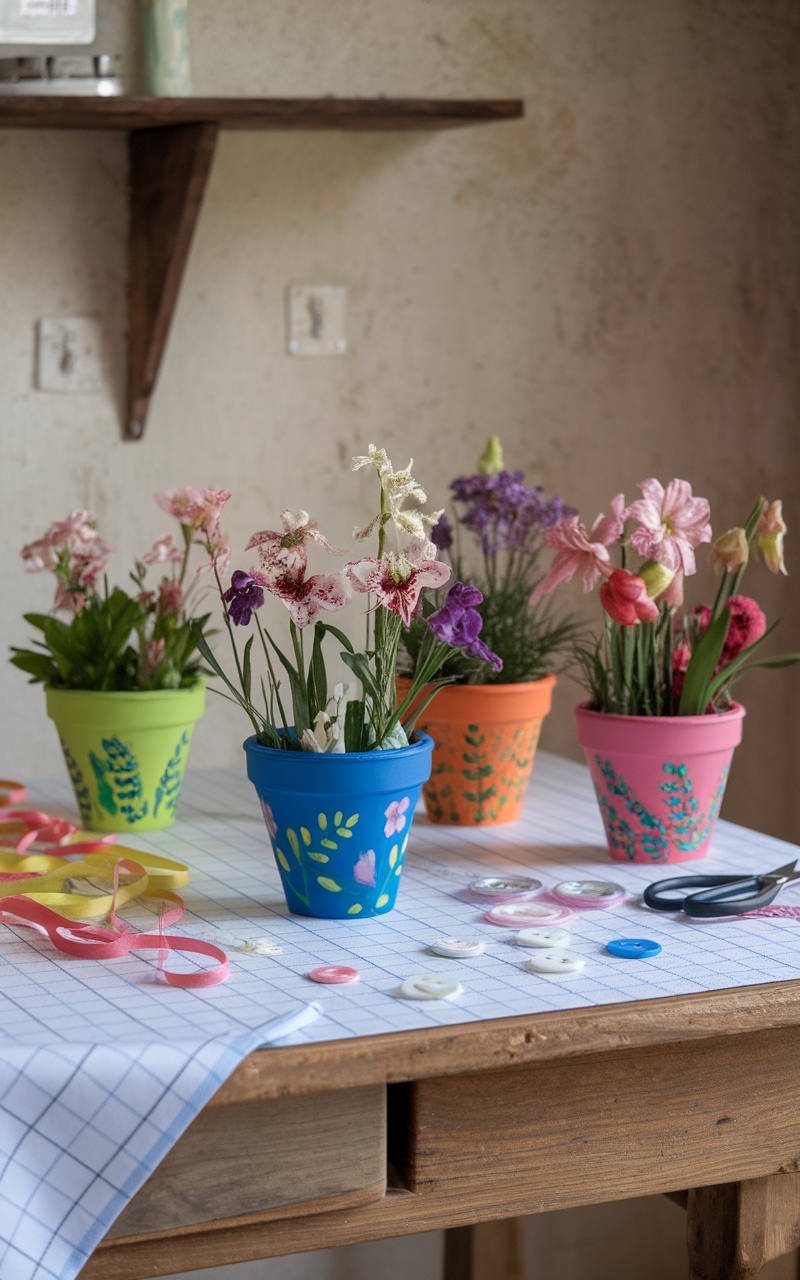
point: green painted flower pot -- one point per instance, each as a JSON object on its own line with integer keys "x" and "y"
{"x": 126, "y": 752}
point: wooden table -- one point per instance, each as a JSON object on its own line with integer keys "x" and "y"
{"x": 470, "y": 1127}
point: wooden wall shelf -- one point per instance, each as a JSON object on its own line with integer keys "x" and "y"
{"x": 171, "y": 143}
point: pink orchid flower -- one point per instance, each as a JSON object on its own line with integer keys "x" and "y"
{"x": 398, "y": 580}
{"x": 672, "y": 522}
{"x": 285, "y": 553}
{"x": 307, "y": 598}
{"x": 76, "y": 535}
{"x": 197, "y": 508}
{"x": 364, "y": 870}
{"x": 163, "y": 551}
{"x": 581, "y": 553}
{"x": 624, "y": 598}
{"x": 395, "y": 817}
{"x": 218, "y": 546}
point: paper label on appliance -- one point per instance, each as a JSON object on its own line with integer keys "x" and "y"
{"x": 48, "y": 8}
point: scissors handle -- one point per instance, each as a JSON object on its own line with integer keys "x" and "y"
{"x": 718, "y": 896}
{"x": 661, "y": 894}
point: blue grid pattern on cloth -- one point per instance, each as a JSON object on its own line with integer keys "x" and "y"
{"x": 90, "y": 1048}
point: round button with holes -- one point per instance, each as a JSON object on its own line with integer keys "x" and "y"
{"x": 457, "y": 948}
{"x": 588, "y": 893}
{"x": 516, "y": 915}
{"x": 334, "y": 974}
{"x": 430, "y": 986}
{"x": 633, "y": 948}
{"x": 555, "y": 962}
{"x": 504, "y": 888}
{"x": 543, "y": 938}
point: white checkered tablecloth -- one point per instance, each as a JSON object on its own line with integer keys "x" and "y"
{"x": 101, "y": 1067}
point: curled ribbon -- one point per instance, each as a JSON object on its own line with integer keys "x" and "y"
{"x": 35, "y": 891}
{"x": 12, "y": 792}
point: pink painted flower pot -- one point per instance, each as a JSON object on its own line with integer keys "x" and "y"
{"x": 659, "y": 779}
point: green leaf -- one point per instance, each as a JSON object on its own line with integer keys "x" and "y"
{"x": 246, "y": 668}
{"x": 339, "y": 635}
{"x": 695, "y": 695}
{"x": 359, "y": 665}
{"x": 354, "y": 726}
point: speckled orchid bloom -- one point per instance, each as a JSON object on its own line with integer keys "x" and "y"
{"x": 398, "y": 580}
{"x": 285, "y": 553}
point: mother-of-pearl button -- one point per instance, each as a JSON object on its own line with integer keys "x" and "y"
{"x": 500, "y": 888}
{"x": 555, "y": 962}
{"x": 457, "y": 948}
{"x": 515, "y": 915}
{"x": 543, "y": 938}
{"x": 430, "y": 986}
{"x": 588, "y": 893}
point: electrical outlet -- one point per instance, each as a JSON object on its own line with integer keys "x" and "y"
{"x": 315, "y": 320}
{"x": 69, "y": 354}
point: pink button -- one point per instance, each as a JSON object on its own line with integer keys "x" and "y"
{"x": 334, "y": 973}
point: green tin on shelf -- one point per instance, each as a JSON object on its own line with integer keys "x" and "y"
{"x": 126, "y": 752}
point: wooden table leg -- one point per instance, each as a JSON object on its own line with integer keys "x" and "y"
{"x": 486, "y": 1251}
{"x": 727, "y": 1230}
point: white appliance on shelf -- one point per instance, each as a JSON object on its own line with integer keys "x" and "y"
{"x": 51, "y": 22}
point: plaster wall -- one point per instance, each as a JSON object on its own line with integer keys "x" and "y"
{"x": 611, "y": 285}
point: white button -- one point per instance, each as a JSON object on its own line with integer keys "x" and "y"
{"x": 516, "y": 915}
{"x": 555, "y": 962}
{"x": 457, "y": 948}
{"x": 501, "y": 887}
{"x": 543, "y": 938}
{"x": 430, "y": 986}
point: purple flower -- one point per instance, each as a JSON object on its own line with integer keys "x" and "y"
{"x": 458, "y": 623}
{"x": 243, "y": 597}
{"x": 442, "y": 533}
{"x": 503, "y": 513}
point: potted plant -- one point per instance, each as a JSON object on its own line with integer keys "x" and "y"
{"x": 338, "y": 776}
{"x": 660, "y": 726}
{"x": 486, "y": 722}
{"x": 122, "y": 674}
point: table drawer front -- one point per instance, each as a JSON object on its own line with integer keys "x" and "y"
{"x": 253, "y": 1161}
{"x": 609, "y": 1126}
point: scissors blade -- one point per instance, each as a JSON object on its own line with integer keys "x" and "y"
{"x": 781, "y": 874}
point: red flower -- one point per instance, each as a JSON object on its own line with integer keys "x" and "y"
{"x": 624, "y": 598}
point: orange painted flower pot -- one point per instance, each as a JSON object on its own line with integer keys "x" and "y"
{"x": 485, "y": 738}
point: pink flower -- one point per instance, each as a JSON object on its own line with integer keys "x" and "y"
{"x": 681, "y": 655}
{"x": 170, "y": 597}
{"x": 671, "y": 523}
{"x": 66, "y": 598}
{"x": 218, "y": 546}
{"x": 163, "y": 551}
{"x": 307, "y": 598}
{"x": 150, "y": 656}
{"x": 624, "y": 598}
{"x": 770, "y": 532}
{"x": 395, "y": 817}
{"x": 282, "y": 553}
{"x": 269, "y": 820}
{"x": 747, "y": 625}
{"x": 582, "y": 553}
{"x": 197, "y": 508}
{"x": 74, "y": 537}
{"x": 398, "y": 580}
{"x": 364, "y": 870}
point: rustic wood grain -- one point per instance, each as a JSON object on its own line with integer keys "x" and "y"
{"x": 485, "y": 1251}
{"x": 168, "y": 172}
{"x": 561, "y": 1132}
{"x": 48, "y": 112}
{"x": 726, "y": 1230}
{"x": 262, "y": 1160}
{"x": 609, "y": 1126}
{"x": 505, "y": 1042}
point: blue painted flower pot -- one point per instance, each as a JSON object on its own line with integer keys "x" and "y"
{"x": 339, "y": 824}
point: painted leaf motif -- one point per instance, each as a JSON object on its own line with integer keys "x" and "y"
{"x": 355, "y": 909}
{"x": 322, "y": 821}
{"x": 393, "y": 855}
{"x": 293, "y": 841}
{"x": 382, "y": 900}
{"x": 330, "y": 885}
{"x": 306, "y": 834}
{"x": 351, "y": 822}
{"x": 282, "y": 859}
{"x": 318, "y": 857}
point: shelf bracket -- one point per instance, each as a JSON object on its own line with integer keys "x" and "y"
{"x": 169, "y": 167}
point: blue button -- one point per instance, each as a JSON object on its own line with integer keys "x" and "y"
{"x": 633, "y": 948}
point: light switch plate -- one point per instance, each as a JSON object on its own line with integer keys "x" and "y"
{"x": 315, "y": 320}
{"x": 69, "y": 356}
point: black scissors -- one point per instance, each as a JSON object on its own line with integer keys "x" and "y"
{"x": 721, "y": 895}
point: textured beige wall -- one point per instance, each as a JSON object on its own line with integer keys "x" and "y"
{"x": 611, "y": 285}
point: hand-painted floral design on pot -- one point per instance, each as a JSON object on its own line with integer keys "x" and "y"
{"x": 339, "y": 824}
